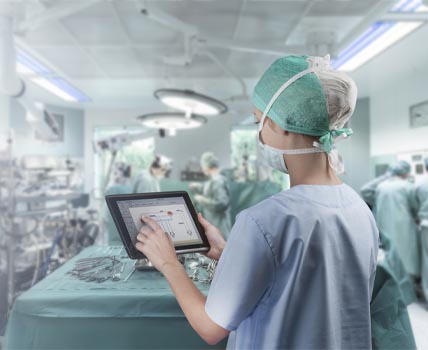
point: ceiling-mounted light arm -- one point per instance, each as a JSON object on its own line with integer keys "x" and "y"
{"x": 166, "y": 20}
{"x": 57, "y": 12}
{"x": 215, "y": 59}
{"x": 188, "y": 113}
{"x": 377, "y": 12}
{"x": 243, "y": 46}
{"x": 189, "y": 32}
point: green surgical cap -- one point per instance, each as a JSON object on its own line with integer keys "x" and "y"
{"x": 400, "y": 168}
{"x": 209, "y": 160}
{"x": 302, "y": 107}
{"x": 314, "y": 104}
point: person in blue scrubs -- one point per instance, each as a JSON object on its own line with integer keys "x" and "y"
{"x": 297, "y": 271}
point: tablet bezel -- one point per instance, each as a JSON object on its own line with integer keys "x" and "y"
{"x": 133, "y": 253}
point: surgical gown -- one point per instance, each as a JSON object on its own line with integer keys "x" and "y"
{"x": 297, "y": 272}
{"x": 422, "y": 197}
{"x": 216, "y": 203}
{"x": 146, "y": 182}
{"x": 395, "y": 216}
{"x": 368, "y": 191}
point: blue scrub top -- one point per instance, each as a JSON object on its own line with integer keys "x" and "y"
{"x": 298, "y": 272}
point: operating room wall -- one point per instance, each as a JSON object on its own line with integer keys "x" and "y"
{"x": 356, "y": 150}
{"x": 397, "y": 79}
{"x": 390, "y": 123}
{"x": 26, "y": 143}
{"x": 4, "y": 114}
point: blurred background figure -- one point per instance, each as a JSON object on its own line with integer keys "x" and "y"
{"x": 422, "y": 197}
{"x": 214, "y": 195}
{"x": 368, "y": 191}
{"x": 148, "y": 180}
{"x": 121, "y": 179}
{"x": 395, "y": 207}
{"x": 119, "y": 184}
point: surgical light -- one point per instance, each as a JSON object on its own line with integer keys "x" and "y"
{"x": 44, "y": 77}
{"x": 378, "y": 38}
{"x": 171, "y": 121}
{"x": 190, "y": 102}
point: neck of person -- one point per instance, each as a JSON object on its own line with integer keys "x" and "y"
{"x": 311, "y": 169}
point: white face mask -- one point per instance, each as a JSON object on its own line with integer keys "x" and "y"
{"x": 274, "y": 157}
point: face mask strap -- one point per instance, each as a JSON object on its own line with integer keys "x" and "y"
{"x": 294, "y": 151}
{"x": 280, "y": 91}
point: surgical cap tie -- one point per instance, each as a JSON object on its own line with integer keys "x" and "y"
{"x": 328, "y": 140}
{"x": 327, "y": 144}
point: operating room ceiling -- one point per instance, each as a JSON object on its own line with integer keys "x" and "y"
{"x": 119, "y": 52}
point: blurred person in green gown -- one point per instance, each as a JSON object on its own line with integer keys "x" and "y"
{"x": 422, "y": 197}
{"x": 214, "y": 195}
{"x": 148, "y": 180}
{"x": 395, "y": 212}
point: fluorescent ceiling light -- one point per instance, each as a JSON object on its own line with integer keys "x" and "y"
{"x": 44, "y": 77}
{"x": 422, "y": 8}
{"x": 23, "y": 70}
{"x": 190, "y": 102}
{"x": 361, "y": 54}
{"x": 379, "y": 37}
{"x": 408, "y": 6}
{"x": 46, "y": 84}
{"x": 171, "y": 121}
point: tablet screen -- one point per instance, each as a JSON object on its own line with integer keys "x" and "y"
{"x": 171, "y": 214}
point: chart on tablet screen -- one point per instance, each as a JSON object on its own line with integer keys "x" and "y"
{"x": 173, "y": 219}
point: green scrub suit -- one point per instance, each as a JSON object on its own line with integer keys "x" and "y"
{"x": 146, "y": 182}
{"x": 422, "y": 196}
{"x": 395, "y": 207}
{"x": 216, "y": 203}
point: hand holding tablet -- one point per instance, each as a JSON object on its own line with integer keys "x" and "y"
{"x": 172, "y": 212}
